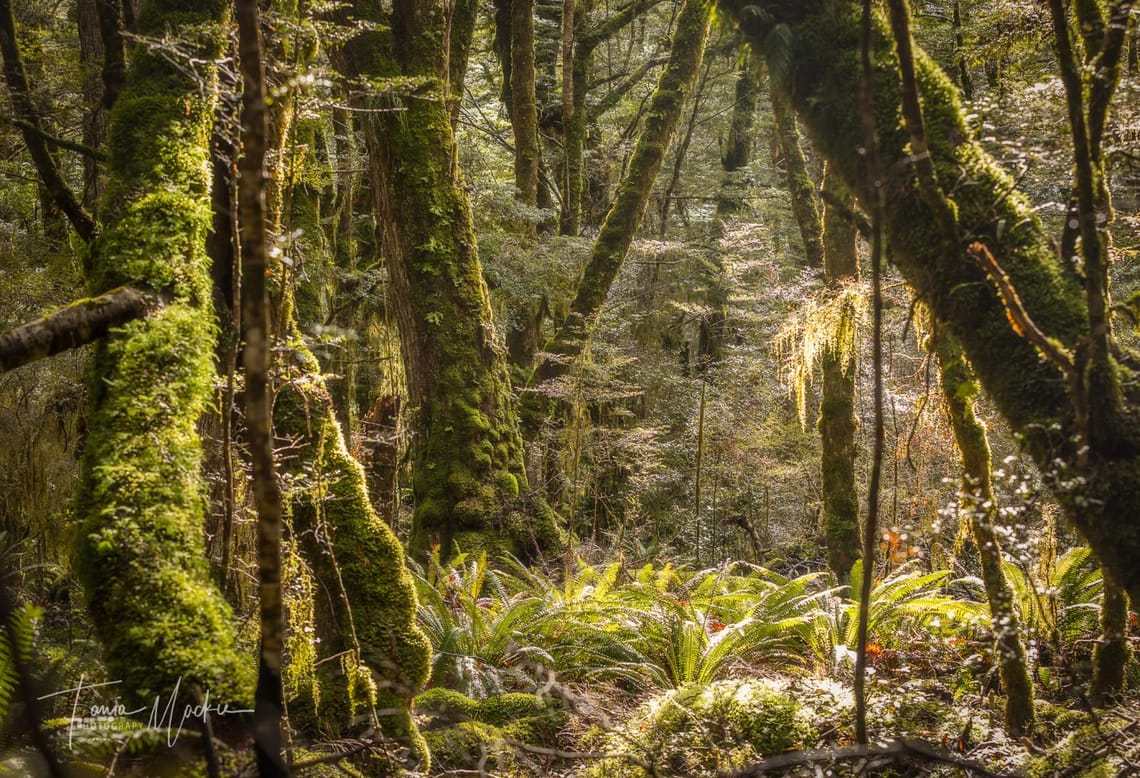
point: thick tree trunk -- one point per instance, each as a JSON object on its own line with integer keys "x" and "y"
{"x": 139, "y": 548}
{"x": 837, "y": 405}
{"x": 978, "y": 506}
{"x": 1099, "y": 488}
{"x": 629, "y": 205}
{"x": 366, "y": 608}
{"x": 469, "y": 480}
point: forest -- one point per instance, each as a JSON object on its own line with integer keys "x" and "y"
{"x": 623, "y": 388}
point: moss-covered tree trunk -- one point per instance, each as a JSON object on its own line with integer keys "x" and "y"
{"x": 798, "y": 180}
{"x": 524, "y": 109}
{"x": 162, "y": 623}
{"x": 1098, "y": 486}
{"x": 736, "y": 147}
{"x": 366, "y": 606}
{"x": 978, "y": 506}
{"x": 469, "y": 480}
{"x": 837, "y": 404}
{"x": 629, "y": 205}
{"x": 1110, "y": 657}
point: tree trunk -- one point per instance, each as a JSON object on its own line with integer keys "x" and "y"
{"x": 367, "y": 605}
{"x": 1099, "y": 488}
{"x": 979, "y": 508}
{"x": 736, "y": 148}
{"x": 163, "y": 624}
{"x": 629, "y": 205}
{"x": 800, "y": 185}
{"x": 269, "y": 703}
{"x": 524, "y": 110}
{"x": 469, "y": 480}
{"x": 1111, "y": 654}
{"x": 837, "y": 405}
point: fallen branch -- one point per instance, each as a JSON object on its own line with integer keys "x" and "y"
{"x": 901, "y": 751}
{"x": 76, "y": 325}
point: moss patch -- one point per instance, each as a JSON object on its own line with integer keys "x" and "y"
{"x": 704, "y": 730}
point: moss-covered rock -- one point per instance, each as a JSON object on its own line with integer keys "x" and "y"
{"x": 707, "y": 729}
{"x": 463, "y": 733}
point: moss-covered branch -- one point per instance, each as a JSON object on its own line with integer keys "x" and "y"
{"x": 628, "y": 209}
{"x": 80, "y": 323}
{"x": 163, "y": 625}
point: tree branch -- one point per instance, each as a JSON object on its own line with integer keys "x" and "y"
{"x": 898, "y": 751}
{"x": 63, "y": 143}
{"x": 25, "y": 110}
{"x": 76, "y": 325}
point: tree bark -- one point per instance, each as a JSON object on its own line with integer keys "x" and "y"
{"x": 628, "y": 209}
{"x": 1031, "y": 393}
{"x": 139, "y": 548}
{"x": 978, "y": 506}
{"x": 468, "y": 476}
{"x": 268, "y": 698}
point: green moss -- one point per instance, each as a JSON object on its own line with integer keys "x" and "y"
{"x": 348, "y": 545}
{"x": 164, "y": 627}
{"x": 706, "y": 730}
{"x": 461, "y": 732}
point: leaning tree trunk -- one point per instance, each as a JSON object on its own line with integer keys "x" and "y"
{"x": 978, "y": 505}
{"x": 800, "y": 185}
{"x": 629, "y": 205}
{"x": 468, "y": 476}
{"x": 837, "y": 405}
{"x": 163, "y": 624}
{"x": 1098, "y": 486}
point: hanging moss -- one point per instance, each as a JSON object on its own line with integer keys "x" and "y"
{"x": 139, "y": 550}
